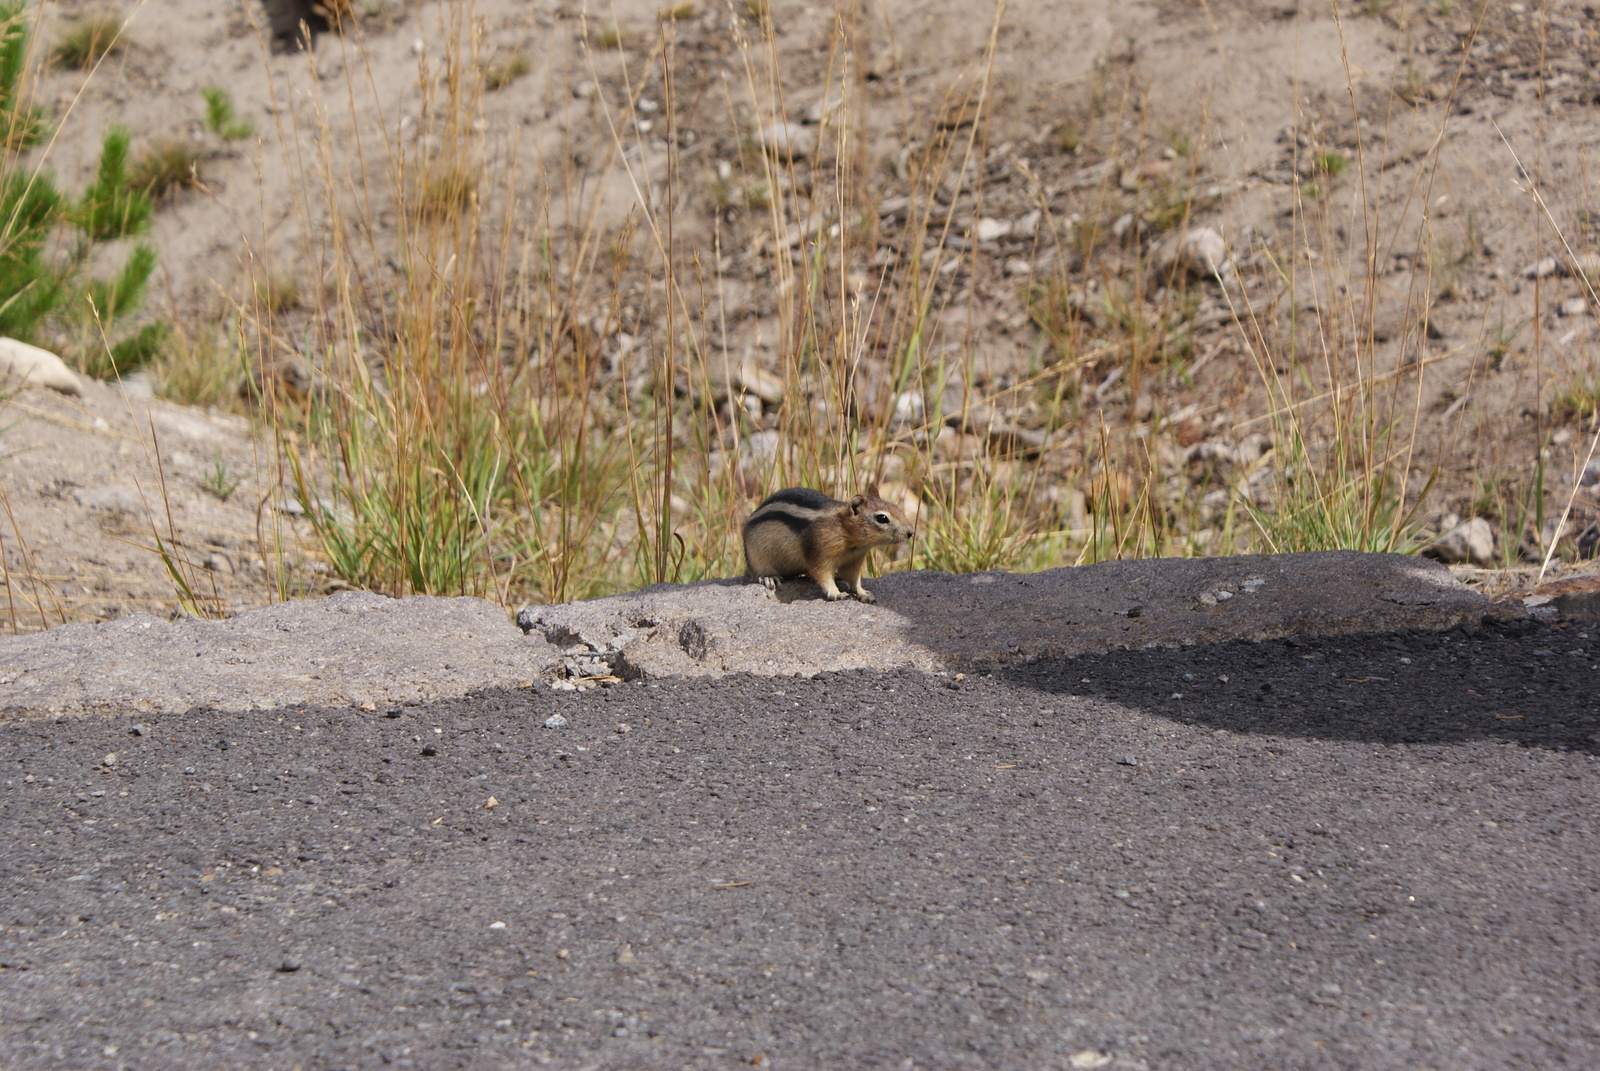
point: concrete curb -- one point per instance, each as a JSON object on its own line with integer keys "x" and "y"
{"x": 358, "y": 649}
{"x": 936, "y": 621}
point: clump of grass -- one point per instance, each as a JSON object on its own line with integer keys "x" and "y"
{"x": 127, "y": 355}
{"x": 445, "y": 190}
{"x": 609, "y": 37}
{"x": 1500, "y": 343}
{"x": 1579, "y": 399}
{"x": 501, "y": 74}
{"x": 218, "y": 481}
{"x": 221, "y": 119}
{"x": 88, "y": 40}
{"x": 533, "y": 416}
{"x": 199, "y": 368}
{"x": 166, "y": 166}
{"x": 275, "y": 294}
{"x": 681, "y": 12}
{"x": 1067, "y": 134}
{"x": 1331, "y": 163}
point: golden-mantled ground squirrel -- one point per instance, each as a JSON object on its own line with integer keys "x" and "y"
{"x": 801, "y": 531}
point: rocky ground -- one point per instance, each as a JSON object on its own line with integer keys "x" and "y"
{"x": 1444, "y": 252}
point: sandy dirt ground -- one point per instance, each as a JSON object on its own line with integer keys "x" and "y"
{"x": 1094, "y": 109}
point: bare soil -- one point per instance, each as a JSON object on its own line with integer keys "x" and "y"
{"x": 1468, "y": 146}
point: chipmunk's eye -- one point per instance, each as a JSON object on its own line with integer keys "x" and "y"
{"x": 881, "y": 518}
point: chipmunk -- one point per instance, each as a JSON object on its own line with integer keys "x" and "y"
{"x": 801, "y": 531}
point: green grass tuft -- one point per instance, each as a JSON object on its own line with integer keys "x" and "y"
{"x": 220, "y": 117}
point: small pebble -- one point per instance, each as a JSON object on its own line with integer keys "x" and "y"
{"x": 1127, "y": 760}
{"x": 555, "y": 721}
{"x": 288, "y": 966}
{"x": 497, "y": 925}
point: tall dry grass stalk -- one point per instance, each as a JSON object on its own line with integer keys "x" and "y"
{"x": 501, "y": 395}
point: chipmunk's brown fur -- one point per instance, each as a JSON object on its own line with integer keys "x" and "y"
{"x": 800, "y": 531}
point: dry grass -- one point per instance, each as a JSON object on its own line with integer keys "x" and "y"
{"x": 166, "y": 166}
{"x": 500, "y": 397}
{"x": 501, "y": 74}
{"x": 589, "y": 467}
{"x": 84, "y": 42}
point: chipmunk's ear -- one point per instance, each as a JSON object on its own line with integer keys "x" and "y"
{"x": 872, "y": 489}
{"x": 858, "y": 503}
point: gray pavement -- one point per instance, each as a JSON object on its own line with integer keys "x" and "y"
{"x": 1364, "y": 851}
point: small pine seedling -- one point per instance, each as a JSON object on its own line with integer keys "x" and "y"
{"x": 220, "y": 117}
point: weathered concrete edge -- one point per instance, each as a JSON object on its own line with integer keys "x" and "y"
{"x": 939, "y": 622}
{"x": 364, "y": 650}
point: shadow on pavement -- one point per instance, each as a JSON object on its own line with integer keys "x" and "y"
{"x": 1521, "y": 682}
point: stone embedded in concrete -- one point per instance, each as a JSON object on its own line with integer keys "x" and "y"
{"x": 925, "y": 620}
{"x": 1576, "y": 598}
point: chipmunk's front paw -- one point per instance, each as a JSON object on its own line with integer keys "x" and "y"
{"x": 865, "y": 596}
{"x": 835, "y": 595}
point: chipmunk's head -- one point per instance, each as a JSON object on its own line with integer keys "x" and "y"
{"x": 885, "y": 521}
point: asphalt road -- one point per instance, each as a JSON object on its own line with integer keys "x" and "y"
{"x": 1373, "y": 852}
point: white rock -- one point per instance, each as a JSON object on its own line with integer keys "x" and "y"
{"x": 37, "y": 367}
{"x": 787, "y": 141}
{"x": 991, "y": 230}
{"x": 753, "y": 379}
{"x": 1028, "y": 225}
{"x": 1470, "y": 541}
{"x": 1200, "y": 251}
{"x": 762, "y": 446}
{"x": 1019, "y": 266}
{"x": 1541, "y": 269}
{"x": 821, "y": 109}
{"x": 1587, "y": 265}
{"x": 1576, "y": 306}
{"x": 909, "y": 407}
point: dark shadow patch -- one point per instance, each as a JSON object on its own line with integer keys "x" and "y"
{"x": 1519, "y": 681}
{"x": 289, "y": 22}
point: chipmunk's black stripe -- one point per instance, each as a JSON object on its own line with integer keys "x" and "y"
{"x": 803, "y": 497}
{"x": 794, "y": 522}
